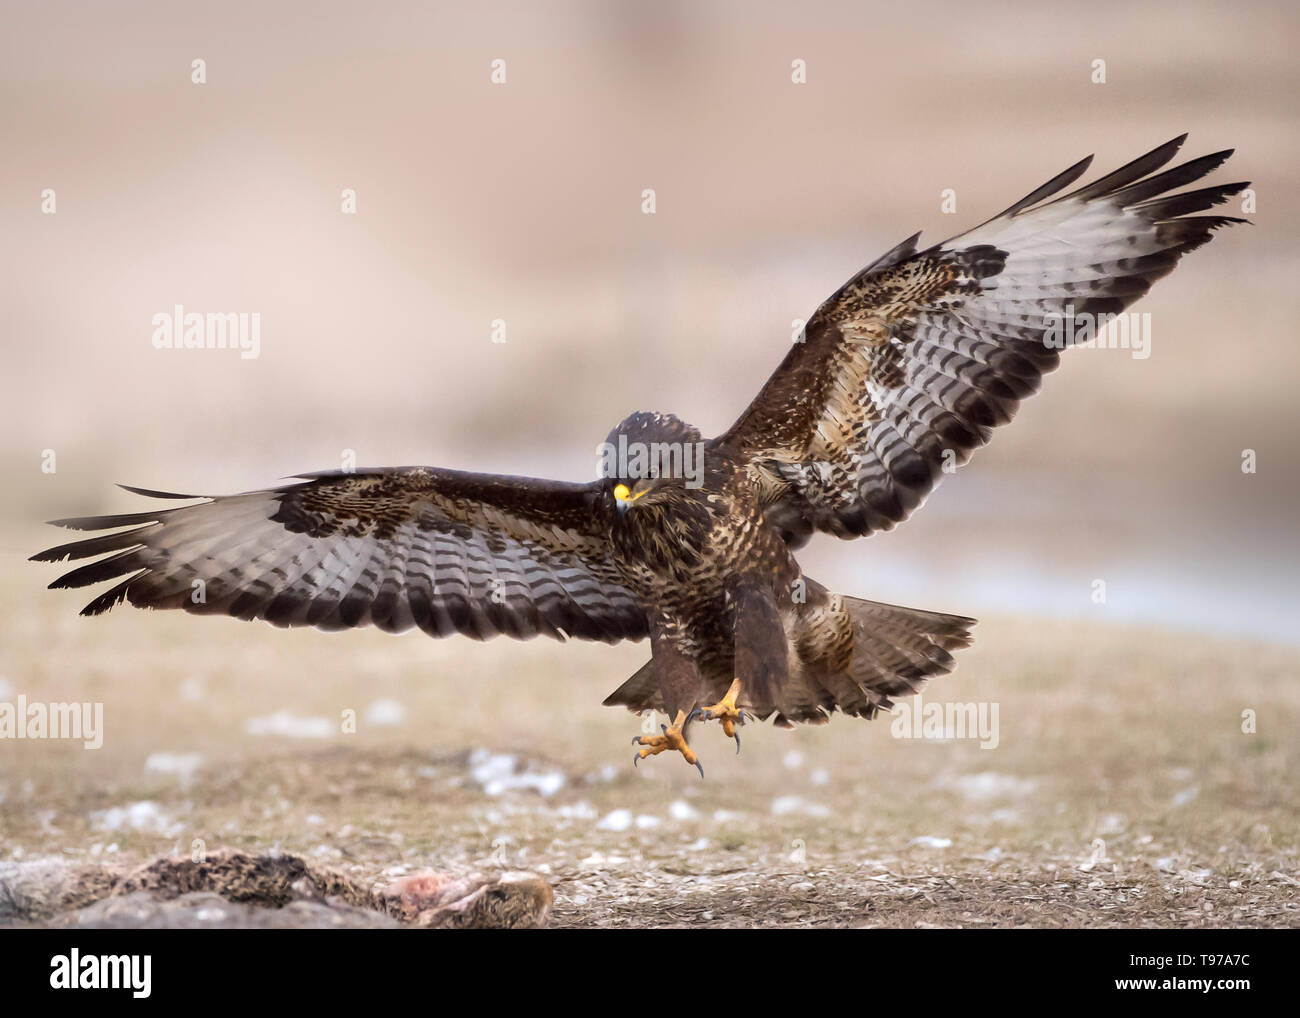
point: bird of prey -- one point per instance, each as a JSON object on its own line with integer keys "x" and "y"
{"x": 897, "y": 378}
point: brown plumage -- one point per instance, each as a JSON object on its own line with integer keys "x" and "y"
{"x": 903, "y": 372}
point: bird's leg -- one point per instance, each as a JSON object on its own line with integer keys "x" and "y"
{"x": 671, "y": 739}
{"x": 726, "y": 711}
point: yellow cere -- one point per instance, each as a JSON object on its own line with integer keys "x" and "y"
{"x": 621, "y": 492}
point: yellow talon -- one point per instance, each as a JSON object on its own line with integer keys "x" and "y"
{"x": 672, "y": 739}
{"x": 726, "y": 711}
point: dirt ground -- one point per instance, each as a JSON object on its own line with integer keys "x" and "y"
{"x": 1122, "y": 790}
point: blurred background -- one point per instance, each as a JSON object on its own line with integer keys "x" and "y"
{"x": 522, "y": 202}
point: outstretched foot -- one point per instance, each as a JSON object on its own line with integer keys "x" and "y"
{"x": 726, "y": 711}
{"x": 671, "y": 739}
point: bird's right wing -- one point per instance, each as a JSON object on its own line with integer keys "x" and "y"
{"x": 447, "y": 551}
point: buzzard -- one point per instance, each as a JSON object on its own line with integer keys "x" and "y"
{"x": 897, "y": 378}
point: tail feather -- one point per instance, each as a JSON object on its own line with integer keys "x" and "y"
{"x": 895, "y": 651}
{"x": 849, "y": 654}
{"x": 638, "y": 693}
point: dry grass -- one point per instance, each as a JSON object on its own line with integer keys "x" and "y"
{"x": 1126, "y": 735}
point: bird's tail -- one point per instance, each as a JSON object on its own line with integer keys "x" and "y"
{"x": 846, "y": 654}
{"x": 640, "y": 692}
{"x": 853, "y": 655}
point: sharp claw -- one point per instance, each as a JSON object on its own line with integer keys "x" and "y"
{"x": 700, "y": 767}
{"x": 694, "y": 714}
{"x": 636, "y": 759}
{"x": 737, "y": 744}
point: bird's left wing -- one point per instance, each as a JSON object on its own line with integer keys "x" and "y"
{"x": 443, "y": 550}
{"x": 911, "y": 364}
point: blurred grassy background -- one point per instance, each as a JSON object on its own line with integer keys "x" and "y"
{"x": 522, "y": 202}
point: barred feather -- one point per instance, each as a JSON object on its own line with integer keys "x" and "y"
{"x": 921, "y": 356}
{"x": 446, "y": 551}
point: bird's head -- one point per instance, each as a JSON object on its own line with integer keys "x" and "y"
{"x": 648, "y": 455}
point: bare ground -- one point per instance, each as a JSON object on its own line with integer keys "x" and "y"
{"x": 1123, "y": 790}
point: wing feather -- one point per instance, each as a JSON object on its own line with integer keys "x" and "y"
{"x": 915, "y": 361}
{"x": 446, "y": 551}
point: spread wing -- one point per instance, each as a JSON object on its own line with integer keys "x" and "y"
{"x": 443, "y": 550}
{"x": 909, "y": 366}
